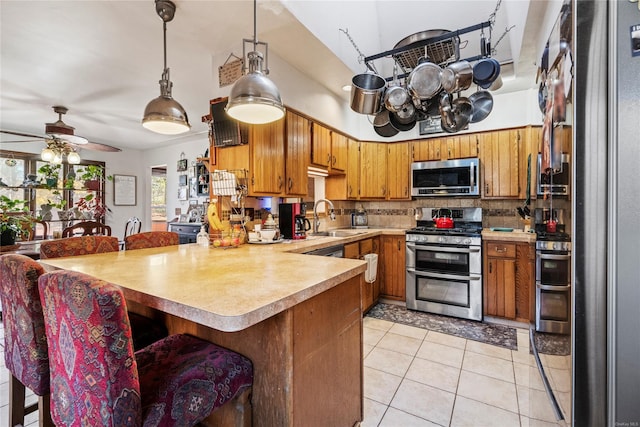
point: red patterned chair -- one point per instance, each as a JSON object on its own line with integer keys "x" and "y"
{"x": 82, "y": 245}
{"x": 25, "y": 343}
{"x": 146, "y": 330}
{"x": 151, "y": 239}
{"x": 98, "y": 380}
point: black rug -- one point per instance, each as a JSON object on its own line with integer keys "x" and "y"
{"x": 554, "y": 344}
{"x": 502, "y": 336}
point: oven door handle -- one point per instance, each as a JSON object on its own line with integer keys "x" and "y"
{"x": 442, "y": 276}
{"x": 444, "y": 248}
{"x": 551, "y": 256}
{"x": 553, "y": 287}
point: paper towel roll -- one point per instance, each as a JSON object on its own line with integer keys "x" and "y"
{"x": 372, "y": 268}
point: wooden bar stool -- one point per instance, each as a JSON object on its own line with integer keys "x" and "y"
{"x": 25, "y": 343}
{"x": 179, "y": 380}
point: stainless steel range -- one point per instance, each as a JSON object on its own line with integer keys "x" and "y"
{"x": 444, "y": 265}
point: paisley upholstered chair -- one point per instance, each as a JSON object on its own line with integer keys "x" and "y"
{"x": 151, "y": 239}
{"x": 25, "y": 343}
{"x": 145, "y": 329}
{"x": 82, "y": 245}
{"x": 97, "y": 378}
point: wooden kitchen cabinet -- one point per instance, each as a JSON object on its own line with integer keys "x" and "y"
{"x": 346, "y": 186}
{"x": 320, "y": 146}
{"x": 339, "y": 148}
{"x": 391, "y": 267}
{"x": 509, "y": 279}
{"x": 297, "y": 148}
{"x": 446, "y": 148}
{"x": 357, "y": 250}
{"x": 398, "y": 169}
{"x": 373, "y": 170}
{"x": 499, "y": 163}
{"x": 266, "y": 159}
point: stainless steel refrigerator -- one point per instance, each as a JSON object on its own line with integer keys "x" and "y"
{"x": 606, "y": 328}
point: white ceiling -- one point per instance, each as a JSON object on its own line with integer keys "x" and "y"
{"x": 103, "y": 59}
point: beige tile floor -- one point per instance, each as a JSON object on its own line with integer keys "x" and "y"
{"x": 414, "y": 378}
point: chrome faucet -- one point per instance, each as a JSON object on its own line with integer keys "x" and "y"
{"x": 316, "y": 220}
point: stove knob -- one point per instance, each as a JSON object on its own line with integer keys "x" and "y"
{"x": 556, "y": 246}
{"x": 467, "y": 242}
{"x": 441, "y": 239}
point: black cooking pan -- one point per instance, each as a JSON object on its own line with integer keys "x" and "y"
{"x": 382, "y": 125}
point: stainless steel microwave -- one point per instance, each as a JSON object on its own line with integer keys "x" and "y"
{"x": 556, "y": 182}
{"x": 445, "y": 178}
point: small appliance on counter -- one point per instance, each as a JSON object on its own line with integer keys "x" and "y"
{"x": 293, "y": 221}
{"x": 359, "y": 218}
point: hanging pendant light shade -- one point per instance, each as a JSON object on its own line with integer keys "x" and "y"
{"x": 164, "y": 114}
{"x": 254, "y": 98}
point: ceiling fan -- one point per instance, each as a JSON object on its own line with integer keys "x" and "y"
{"x": 59, "y": 134}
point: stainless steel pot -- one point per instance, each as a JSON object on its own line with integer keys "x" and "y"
{"x": 457, "y": 77}
{"x": 366, "y": 93}
{"x": 404, "y": 119}
{"x": 424, "y": 80}
{"x": 395, "y": 98}
{"x": 382, "y": 125}
{"x": 482, "y": 103}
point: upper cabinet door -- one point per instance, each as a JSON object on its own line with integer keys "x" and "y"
{"x": 267, "y": 159}
{"x": 461, "y": 146}
{"x": 499, "y": 163}
{"x": 425, "y": 150}
{"x": 320, "y": 146}
{"x": 398, "y": 165}
{"x": 338, "y": 153}
{"x": 373, "y": 170}
{"x": 298, "y": 144}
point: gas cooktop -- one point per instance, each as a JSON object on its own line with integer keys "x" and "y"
{"x": 457, "y": 231}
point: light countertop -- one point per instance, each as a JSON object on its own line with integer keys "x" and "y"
{"x": 513, "y": 236}
{"x": 226, "y": 289}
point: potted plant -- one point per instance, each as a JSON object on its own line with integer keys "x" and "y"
{"x": 92, "y": 175}
{"x": 50, "y": 173}
{"x": 45, "y": 208}
{"x": 92, "y": 207}
{"x": 14, "y": 220}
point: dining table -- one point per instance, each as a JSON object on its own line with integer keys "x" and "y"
{"x": 297, "y": 317}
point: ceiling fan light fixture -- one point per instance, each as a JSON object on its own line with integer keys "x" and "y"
{"x": 73, "y": 158}
{"x": 47, "y": 154}
{"x": 163, "y": 114}
{"x": 57, "y": 158}
{"x": 254, "y": 98}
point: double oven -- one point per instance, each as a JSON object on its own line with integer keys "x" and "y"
{"x": 444, "y": 265}
{"x": 553, "y": 282}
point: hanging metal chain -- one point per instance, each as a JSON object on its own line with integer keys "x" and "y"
{"x": 492, "y": 17}
{"x": 360, "y": 54}
{"x": 506, "y": 30}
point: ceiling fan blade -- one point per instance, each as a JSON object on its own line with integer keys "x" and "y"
{"x": 96, "y": 146}
{"x": 23, "y": 140}
{"x": 26, "y": 135}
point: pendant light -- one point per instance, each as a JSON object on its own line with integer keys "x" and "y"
{"x": 164, "y": 114}
{"x": 254, "y": 98}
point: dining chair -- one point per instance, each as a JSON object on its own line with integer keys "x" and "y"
{"x": 132, "y": 226}
{"x": 33, "y": 230}
{"x": 87, "y": 228}
{"x": 151, "y": 239}
{"x": 81, "y": 245}
{"x": 25, "y": 344}
{"x": 145, "y": 329}
{"x": 97, "y": 377}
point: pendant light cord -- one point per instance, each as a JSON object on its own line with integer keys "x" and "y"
{"x": 164, "y": 38}
{"x": 255, "y": 31}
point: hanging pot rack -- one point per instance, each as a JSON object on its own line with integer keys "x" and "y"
{"x": 446, "y": 45}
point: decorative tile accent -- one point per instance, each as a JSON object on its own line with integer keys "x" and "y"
{"x": 499, "y": 335}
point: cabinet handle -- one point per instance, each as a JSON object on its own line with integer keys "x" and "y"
{"x": 328, "y": 159}
{"x": 406, "y": 191}
{"x": 486, "y": 188}
{"x": 350, "y": 190}
{"x": 253, "y": 181}
{"x": 490, "y": 267}
{"x": 398, "y": 242}
{"x": 501, "y": 249}
{"x": 384, "y": 190}
{"x": 333, "y": 160}
{"x": 290, "y": 183}
{"x": 280, "y": 182}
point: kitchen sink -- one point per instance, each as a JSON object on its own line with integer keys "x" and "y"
{"x": 336, "y": 233}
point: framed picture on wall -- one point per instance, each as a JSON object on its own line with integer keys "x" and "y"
{"x": 124, "y": 190}
{"x": 182, "y": 180}
{"x": 183, "y": 192}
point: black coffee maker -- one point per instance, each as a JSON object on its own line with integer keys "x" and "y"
{"x": 293, "y": 223}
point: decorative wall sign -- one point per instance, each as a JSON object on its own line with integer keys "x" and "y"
{"x": 229, "y": 72}
{"x": 124, "y": 190}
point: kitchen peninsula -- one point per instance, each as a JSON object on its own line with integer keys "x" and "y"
{"x": 297, "y": 317}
